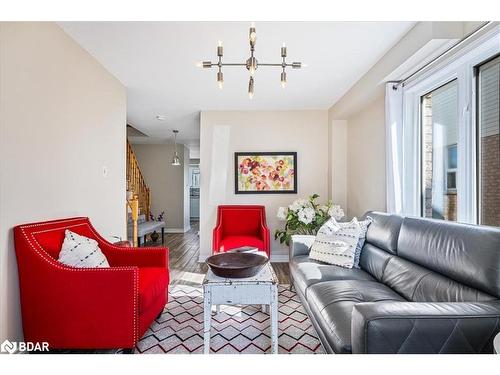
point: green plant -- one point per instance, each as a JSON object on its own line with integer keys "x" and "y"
{"x": 305, "y": 216}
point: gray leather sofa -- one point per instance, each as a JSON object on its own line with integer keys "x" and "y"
{"x": 425, "y": 286}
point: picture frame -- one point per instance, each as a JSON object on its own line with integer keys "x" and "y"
{"x": 265, "y": 172}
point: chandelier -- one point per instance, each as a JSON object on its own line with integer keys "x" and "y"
{"x": 251, "y": 63}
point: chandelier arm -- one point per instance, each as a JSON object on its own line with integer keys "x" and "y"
{"x": 280, "y": 65}
{"x": 226, "y": 64}
{"x": 277, "y": 64}
{"x": 232, "y": 64}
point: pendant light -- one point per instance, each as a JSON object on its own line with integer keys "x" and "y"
{"x": 176, "y": 160}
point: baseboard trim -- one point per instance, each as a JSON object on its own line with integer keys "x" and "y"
{"x": 176, "y": 230}
{"x": 279, "y": 258}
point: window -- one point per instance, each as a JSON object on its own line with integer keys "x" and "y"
{"x": 449, "y": 147}
{"x": 439, "y": 135}
{"x": 488, "y": 143}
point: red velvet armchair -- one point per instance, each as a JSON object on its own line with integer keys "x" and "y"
{"x": 238, "y": 226}
{"x": 87, "y": 308}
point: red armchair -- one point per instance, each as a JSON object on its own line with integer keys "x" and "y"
{"x": 87, "y": 308}
{"x": 239, "y": 226}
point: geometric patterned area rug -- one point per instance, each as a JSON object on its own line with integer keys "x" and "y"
{"x": 236, "y": 329}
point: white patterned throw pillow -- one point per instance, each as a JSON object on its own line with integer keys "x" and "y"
{"x": 364, "y": 224}
{"x": 335, "y": 243}
{"x": 81, "y": 251}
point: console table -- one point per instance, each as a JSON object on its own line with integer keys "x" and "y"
{"x": 261, "y": 289}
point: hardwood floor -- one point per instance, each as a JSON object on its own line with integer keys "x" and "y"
{"x": 184, "y": 266}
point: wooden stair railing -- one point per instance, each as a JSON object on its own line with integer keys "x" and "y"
{"x": 136, "y": 183}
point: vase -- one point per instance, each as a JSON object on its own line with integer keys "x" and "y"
{"x": 154, "y": 236}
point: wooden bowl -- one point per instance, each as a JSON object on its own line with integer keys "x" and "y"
{"x": 236, "y": 265}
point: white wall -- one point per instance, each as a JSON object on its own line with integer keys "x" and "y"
{"x": 358, "y": 177}
{"x": 166, "y": 182}
{"x": 338, "y": 162}
{"x": 305, "y": 132}
{"x": 62, "y": 119}
{"x": 366, "y": 159}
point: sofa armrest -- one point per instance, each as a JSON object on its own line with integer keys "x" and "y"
{"x": 300, "y": 244}
{"x": 425, "y": 327}
{"x": 138, "y": 257}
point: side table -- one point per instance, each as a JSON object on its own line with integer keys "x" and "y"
{"x": 261, "y": 289}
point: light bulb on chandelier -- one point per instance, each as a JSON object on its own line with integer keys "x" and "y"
{"x": 220, "y": 80}
{"x": 252, "y": 34}
{"x": 250, "y": 87}
{"x": 283, "y": 79}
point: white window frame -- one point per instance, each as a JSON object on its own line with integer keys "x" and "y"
{"x": 460, "y": 67}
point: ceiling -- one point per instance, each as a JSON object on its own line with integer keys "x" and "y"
{"x": 156, "y": 61}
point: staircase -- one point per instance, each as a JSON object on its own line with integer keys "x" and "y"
{"x": 136, "y": 183}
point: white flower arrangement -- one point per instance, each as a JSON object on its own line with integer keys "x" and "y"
{"x": 299, "y": 204}
{"x": 336, "y": 212}
{"x": 282, "y": 213}
{"x": 305, "y": 216}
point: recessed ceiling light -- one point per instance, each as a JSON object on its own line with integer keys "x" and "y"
{"x": 161, "y": 117}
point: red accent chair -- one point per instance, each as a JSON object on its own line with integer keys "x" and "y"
{"x": 239, "y": 226}
{"x": 87, "y": 308}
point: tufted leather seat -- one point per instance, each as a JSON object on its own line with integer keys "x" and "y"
{"x": 333, "y": 302}
{"x": 308, "y": 272}
{"x": 425, "y": 286}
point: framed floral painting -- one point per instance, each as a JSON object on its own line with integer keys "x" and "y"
{"x": 265, "y": 172}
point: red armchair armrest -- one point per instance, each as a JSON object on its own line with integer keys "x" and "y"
{"x": 140, "y": 257}
{"x": 265, "y": 236}
{"x": 217, "y": 237}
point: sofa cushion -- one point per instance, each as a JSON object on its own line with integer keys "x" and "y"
{"x": 383, "y": 232}
{"x": 233, "y": 242}
{"x": 332, "y": 302}
{"x": 153, "y": 282}
{"x": 306, "y": 272}
{"x": 374, "y": 260}
{"x": 468, "y": 254}
{"x": 419, "y": 284}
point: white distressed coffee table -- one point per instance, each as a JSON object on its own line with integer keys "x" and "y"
{"x": 262, "y": 289}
